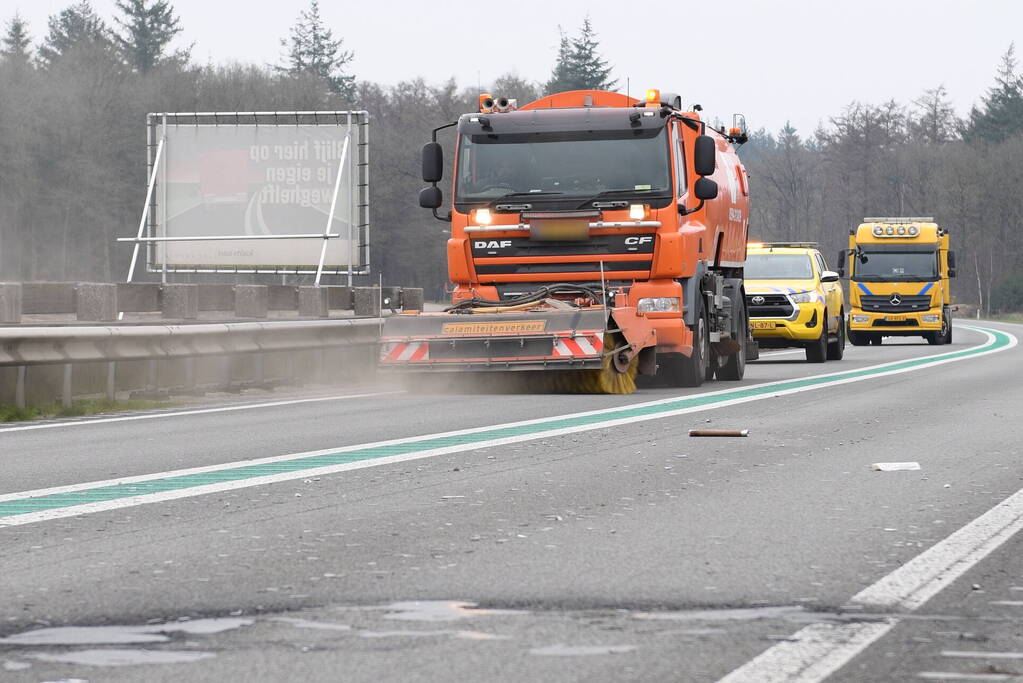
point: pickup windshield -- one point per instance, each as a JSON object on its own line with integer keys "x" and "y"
{"x": 567, "y": 164}
{"x": 778, "y": 267}
{"x": 896, "y": 266}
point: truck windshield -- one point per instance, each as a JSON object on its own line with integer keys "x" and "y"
{"x": 896, "y": 266}
{"x": 778, "y": 267}
{"x": 568, "y": 164}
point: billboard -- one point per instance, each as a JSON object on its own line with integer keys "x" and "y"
{"x": 259, "y": 191}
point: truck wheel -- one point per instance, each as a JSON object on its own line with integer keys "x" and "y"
{"x": 836, "y": 349}
{"x": 858, "y": 338}
{"x": 817, "y": 351}
{"x": 947, "y": 317}
{"x": 875, "y": 339}
{"x": 939, "y": 337}
{"x": 732, "y": 368}
{"x": 689, "y": 371}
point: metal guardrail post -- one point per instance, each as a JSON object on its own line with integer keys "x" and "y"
{"x": 19, "y": 388}
{"x": 111, "y": 392}
{"x": 65, "y": 394}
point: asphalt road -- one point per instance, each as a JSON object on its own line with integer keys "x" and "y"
{"x": 603, "y": 546}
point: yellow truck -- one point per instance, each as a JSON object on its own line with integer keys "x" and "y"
{"x": 899, "y": 280}
{"x": 793, "y": 299}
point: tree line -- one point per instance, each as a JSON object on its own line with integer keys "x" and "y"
{"x": 72, "y": 162}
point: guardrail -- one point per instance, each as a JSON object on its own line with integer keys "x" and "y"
{"x": 107, "y": 302}
{"x": 67, "y": 346}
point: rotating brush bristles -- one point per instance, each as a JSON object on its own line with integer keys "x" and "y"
{"x": 607, "y": 380}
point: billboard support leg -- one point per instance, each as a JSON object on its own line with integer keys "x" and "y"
{"x": 145, "y": 210}
{"x": 333, "y": 205}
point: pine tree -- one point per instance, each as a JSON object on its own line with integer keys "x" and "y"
{"x": 312, "y": 49}
{"x": 16, "y": 43}
{"x": 579, "y": 65}
{"x": 591, "y": 71}
{"x": 1001, "y": 113}
{"x": 147, "y": 28}
{"x": 76, "y": 26}
{"x": 561, "y": 78}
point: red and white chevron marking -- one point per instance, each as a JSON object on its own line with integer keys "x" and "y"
{"x": 581, "y": 344}
{"x": 405, "y": 352}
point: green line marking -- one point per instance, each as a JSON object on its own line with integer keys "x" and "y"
{"x": 174, "y": 483}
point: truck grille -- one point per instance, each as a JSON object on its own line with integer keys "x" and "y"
{"x": 883, "y": 303}
{"x": 896, "y": 323}
{"x": 773, "y": 306}
{"x": 623, "y": 253}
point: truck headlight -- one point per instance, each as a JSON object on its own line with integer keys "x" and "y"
{"x": 860, "y": 318}
{"x": 659, "y": 304}
{"x": 802, "y": 298}
{"x": 931, "y": 318}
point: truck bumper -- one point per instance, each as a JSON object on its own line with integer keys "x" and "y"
{"x": 805, "y": 327}
{"x": 895, "y": 324}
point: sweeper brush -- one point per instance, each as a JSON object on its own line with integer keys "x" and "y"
{"x": 546, "y": 346}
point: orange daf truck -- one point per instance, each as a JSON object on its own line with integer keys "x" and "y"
{"x": 594, "y": 236}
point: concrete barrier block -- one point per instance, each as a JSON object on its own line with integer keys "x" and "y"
{"x": 313, "y": 302}
{"x": 251, "y": 301}
{"x": 341, "y": 298}
{"x": 367, "y": 302}
{"x": 47, "y": 297}
{"x": 138, "y": 297}
{"x": 10, "y": 302}
{"x": 179, "y": 301}
{"x": 411, "y": 298}
{"x": 96, "y": 301}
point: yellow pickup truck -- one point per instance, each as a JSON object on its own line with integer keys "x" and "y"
{"x": 794, "y": 300}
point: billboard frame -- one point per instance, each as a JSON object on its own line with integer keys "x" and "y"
{"x": 358, "y": 231}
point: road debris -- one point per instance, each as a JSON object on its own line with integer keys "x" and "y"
{"x": 718, "y": 432}
{"x": 894, "y": 466}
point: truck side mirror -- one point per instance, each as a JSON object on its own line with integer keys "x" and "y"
{"x": 704, "y": 156}
{"x": 430, "y": 197}
{"x": 433, "y": 162}
{"x": 951, "y": 260}
{"x": 705, "y": 188}
{"x": 842, "y": 255}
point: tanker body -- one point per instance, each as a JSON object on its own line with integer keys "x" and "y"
{"x": 593, "y": 236}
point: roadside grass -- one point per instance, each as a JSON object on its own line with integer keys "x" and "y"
{"x": 1008, "y": 318}
{"x": 85, "y": 406}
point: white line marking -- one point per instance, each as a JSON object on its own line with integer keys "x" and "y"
{"x": 70, "y": 511}
{"x": 197, "y": 411}
{"x": 819, "y": 650}
{"x": 977, "y": 654}
{"x": 1007, "y": 603}
{"x": 953, "y": 676}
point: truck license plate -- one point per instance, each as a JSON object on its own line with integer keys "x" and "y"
{"x": 762, "y": 325}
{"x": 895, "y": 318}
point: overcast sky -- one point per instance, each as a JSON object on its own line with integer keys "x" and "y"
{"x": 797, "y": 60}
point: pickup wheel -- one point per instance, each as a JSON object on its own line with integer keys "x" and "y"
{"x": 817, "y": 350}
{"x": 836, "y": 349}
{"x": 732, "y": 368}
